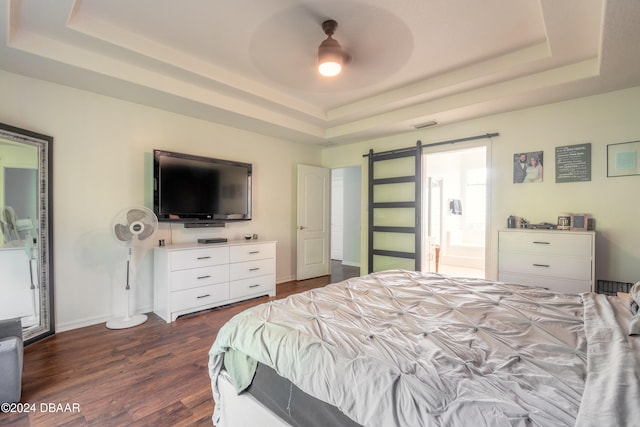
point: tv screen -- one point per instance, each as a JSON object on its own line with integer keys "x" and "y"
{"x": 195, "y": 188}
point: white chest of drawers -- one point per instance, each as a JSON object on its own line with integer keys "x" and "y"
{"x": 194, "y": 277}
{"x": 563, "y": 261}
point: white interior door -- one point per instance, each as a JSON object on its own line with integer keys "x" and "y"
{"x": 337, "y": 215}
{"x": 16, "y": 282}
{"x": 313, "y": 222}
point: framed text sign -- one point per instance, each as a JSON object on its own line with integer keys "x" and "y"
{"x": 573, "y": 163}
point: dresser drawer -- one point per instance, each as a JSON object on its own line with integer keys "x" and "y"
{"x": 567, "y": 286}
{"x": 244, "y": 270}
{"x": 195, "y": 277}
{"x": 547, "y": 266}
{"x": 194, "y": 258}
{"x": 191, "y": 298}
{"x": 257, "y": 285}
{"x": 248, "y": 252}
{"x": 546, "y": 243}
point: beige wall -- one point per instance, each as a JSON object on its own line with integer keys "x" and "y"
{"x": 102, "y": 152}
{"x": 600, "y": 120}
{"x": 102, "y": 156}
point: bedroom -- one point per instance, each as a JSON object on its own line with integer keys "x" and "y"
{"x": 101, "y": 141}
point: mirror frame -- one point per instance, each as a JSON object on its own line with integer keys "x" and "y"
{"x": 46, "y": 326}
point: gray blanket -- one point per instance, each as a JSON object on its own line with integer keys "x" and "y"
{"x": 402, "y": 348}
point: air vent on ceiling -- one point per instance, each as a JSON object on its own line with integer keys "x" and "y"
{"x": 426, "y": 124}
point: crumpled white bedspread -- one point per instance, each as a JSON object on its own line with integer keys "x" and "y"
{"x": 401, "y": 348}
{"x": 612, "y": 392}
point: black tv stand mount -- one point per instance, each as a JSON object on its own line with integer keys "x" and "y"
{"x": 203, "y": 224}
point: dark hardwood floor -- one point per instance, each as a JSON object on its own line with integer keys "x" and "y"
{"x": 341, "y": 272}
{"x": 152, "y": 375}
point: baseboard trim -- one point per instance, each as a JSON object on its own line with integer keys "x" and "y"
{"x": 69, "y": 326}
{"x": 351, "y": 264}
{"x": 90, "y": 321}
{"x": 285, "y": 279}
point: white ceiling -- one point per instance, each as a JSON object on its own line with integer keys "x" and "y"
{"x": 251, "y": 63}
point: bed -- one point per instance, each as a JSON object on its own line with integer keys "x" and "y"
{"x": 403, "y": 348}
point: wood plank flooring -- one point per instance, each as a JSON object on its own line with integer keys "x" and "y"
{"x": 152, "y": 375}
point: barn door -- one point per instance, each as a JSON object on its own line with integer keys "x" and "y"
{"x": 395, "y": 204}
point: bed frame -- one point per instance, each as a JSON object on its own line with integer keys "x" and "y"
{"x": 244, "y": 410}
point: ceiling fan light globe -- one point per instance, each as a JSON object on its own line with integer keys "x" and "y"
{"x": 331, "y": 56}
{"x": 330, "y": 68}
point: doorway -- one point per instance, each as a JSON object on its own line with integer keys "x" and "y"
{"x": 454, "y": 212}
{"x": 346, "y": 207}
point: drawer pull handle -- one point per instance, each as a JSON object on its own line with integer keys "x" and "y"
{"x": 254, "y": 252}
{"x": 254, "y": 286}
{"x": 204, "y": 257}
{"x": 204, "y": 277}
{"x": 254, "y": 269}
{"x": 541, "y": 265}
{"x": 204, "y": 296}
{"x": 541, "y": 243}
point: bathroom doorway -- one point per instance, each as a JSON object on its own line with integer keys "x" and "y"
{"x": 455, "y": 212}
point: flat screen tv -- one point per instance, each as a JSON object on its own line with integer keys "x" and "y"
{"x": 195, "y": 189}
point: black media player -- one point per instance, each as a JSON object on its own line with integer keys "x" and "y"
{"x": 213, "y": 240}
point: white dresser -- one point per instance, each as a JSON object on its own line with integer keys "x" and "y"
{"x": 563, "y": 261}
{"x": 194, "y": 277}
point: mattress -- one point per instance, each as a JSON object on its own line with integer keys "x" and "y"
{"x": 401, "y": 348}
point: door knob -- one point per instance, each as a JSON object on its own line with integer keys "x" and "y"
{"x": 301, "y": 227}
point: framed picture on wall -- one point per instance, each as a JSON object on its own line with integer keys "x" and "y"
{"x": 527, "y": 167}
{"x": 623, "y": 159}
{"x": 573, "y": 163}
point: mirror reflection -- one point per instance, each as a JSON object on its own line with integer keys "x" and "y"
{"x": 24, "y": 231}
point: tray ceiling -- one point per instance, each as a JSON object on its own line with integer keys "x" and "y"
{"x": 252, "y": 64}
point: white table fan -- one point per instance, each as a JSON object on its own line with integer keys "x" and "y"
{"x": 131, "y": 227}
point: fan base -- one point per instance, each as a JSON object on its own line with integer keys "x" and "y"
{"x": 127, "y": 322}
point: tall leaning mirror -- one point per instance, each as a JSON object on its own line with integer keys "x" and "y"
{"x": 26, "y": 240}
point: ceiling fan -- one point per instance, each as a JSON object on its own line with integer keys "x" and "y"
{"x": 331, "y": 56}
